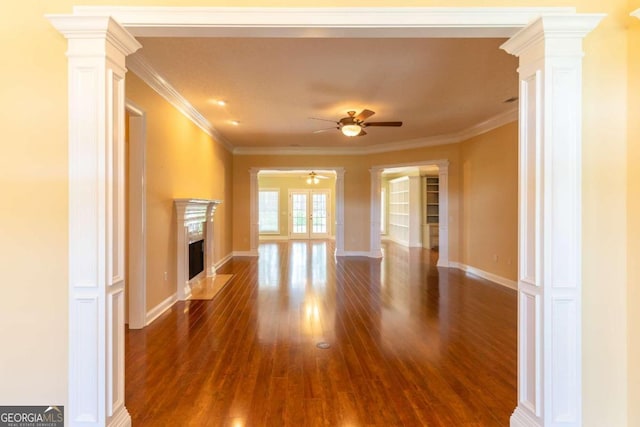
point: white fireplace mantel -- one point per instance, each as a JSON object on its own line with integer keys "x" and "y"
{"x": 194, "y": 217}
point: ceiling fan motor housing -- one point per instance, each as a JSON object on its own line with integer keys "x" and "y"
{"x": 348, "y": 121}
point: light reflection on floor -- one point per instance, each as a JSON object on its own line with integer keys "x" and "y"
{"x": 298, "y": 288}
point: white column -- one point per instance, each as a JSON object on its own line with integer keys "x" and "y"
{"x": 339, "y": 212}
{"x": 415, "y": 212}
{"x": 374, "y": 245}
{"x": 254, "y": 230}
{"x": 183, "y": 291}
{"x": 443, "y": 214}
{"x": 97, "y": 48}
{"x": 210, "y": 265}
{"x": 549, "y": 276}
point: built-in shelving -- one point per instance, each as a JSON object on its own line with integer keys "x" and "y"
{"x": 431, "y": 198}
{"x": 399, "y": 209}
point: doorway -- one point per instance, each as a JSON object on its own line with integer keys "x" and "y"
{"x": 309, "y": 215}
{"x": 135, "y": 288}
{"x": 297, "y": 206}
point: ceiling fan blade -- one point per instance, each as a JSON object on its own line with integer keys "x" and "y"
{"x": 362, "y": 133}
{"x": 382, "y": 124}
{"x": 324, "y": 130}
{"x": 324, "y": 120}
{"x": 364, "y": 115}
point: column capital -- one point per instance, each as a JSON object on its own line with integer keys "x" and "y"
{"x": 567, "y": 28}
{"x": 97, "y": 28}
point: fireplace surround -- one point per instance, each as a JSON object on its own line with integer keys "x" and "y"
{"x": 194, "y": 224}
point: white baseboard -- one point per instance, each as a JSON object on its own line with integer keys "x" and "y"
{"x": 512, "y": 284}
{"x": 157, "y": 311}
{"x": 223, "y": 261}
{"x": 394, "y": 240}
{"x": 356, "y": 253}
{"x": 245, "y": 253}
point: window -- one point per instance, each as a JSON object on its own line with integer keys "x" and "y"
{"x": 268, "y": 208}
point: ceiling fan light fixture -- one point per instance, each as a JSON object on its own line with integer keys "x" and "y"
{"x": 351, "y": 130}
{"x": 312, "y": 179}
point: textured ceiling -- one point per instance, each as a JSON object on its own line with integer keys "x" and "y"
{"x": 273, "y": 86}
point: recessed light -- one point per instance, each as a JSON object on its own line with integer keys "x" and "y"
{"x": 235, "y": 122}
{"x": 219, "y": 102}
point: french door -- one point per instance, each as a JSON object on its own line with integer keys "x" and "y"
{"x": 309, "y": 214}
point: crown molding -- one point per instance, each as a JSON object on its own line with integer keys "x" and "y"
{"x": 487, "y": 125}
{"x": 453, "y": 138}
{"x": 139, "y": 65}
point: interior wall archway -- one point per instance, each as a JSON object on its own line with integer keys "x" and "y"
{"x": 443, "y": 208}
{"x": 339, "y": 200}
{"x": 548, "y": 42}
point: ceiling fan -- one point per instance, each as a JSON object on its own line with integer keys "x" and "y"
{"x": 353, "y": 125}
{"x": 314, "y": 178}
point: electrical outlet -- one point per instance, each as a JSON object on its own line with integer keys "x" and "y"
{"x": 166, "y": 276}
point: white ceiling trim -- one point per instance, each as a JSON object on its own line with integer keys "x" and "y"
{"x": 453, "y": 138}
{"x": 321, "y": 22}
{"x": 141, "y": 67}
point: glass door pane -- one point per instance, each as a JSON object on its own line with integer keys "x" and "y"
{"x": 319, "y": 218}
{"x": 320, "y": 225}
{"x": 299, "y": 214}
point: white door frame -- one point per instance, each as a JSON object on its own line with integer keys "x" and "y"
{"x": 338, "y": 224}
{"x": 548, "y": 42}
{"x": 309, "y": 192}
{"x": 443, "y": 209}
{"x": 137, "y": 220}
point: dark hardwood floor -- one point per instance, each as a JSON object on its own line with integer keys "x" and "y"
{"x": 410, "y": 344}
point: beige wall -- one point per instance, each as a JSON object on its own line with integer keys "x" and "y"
{"x": 33, "y": 180}
{"x": 604, "y": 220}
{"x": 33, "y": 212}
{"x": 283, "y": 185}
{"x": 181, "y": 162}
{"x": 489, "y": 226}
{"x": 633, "y": 212}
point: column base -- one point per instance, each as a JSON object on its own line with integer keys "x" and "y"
{"x": 524, "y": 418}
{"x": 121, "y": 418}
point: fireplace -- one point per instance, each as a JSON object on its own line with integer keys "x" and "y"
{"x": 196, "y": 258}
{"x": 195, "y": 243}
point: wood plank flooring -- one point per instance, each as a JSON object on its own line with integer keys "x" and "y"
{"x": 410, "y": 345}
